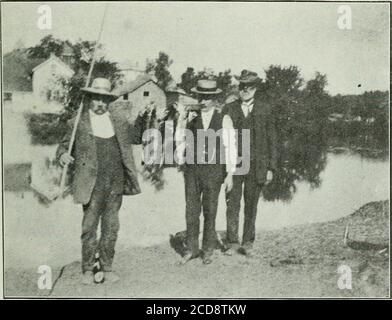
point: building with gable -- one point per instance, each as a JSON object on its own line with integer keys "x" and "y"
{"x": 141, "y": 92}
{"x": 33, "y": 84}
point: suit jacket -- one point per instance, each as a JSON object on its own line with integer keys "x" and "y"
{"x": 84, "y": 151}
{"x": 265, "y": 141}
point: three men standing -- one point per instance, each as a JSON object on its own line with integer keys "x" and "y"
{"x": 104, "y": 168}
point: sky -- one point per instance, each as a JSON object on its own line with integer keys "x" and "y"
{"x": 222, "y": 35}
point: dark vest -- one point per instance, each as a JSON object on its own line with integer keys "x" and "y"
{"x": 240, "y": 123}
{"x": 214, "y": 155}
{"x": 110, "y": 174}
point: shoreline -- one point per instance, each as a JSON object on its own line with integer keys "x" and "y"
{"x": 297, "y": 261}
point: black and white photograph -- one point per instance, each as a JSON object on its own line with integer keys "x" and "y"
{"x": 195, "y": 150}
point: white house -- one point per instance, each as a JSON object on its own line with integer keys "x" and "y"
{"x": 46, "y": 86}
{"x": 32, "y": 85}
{"x": 139, "y": 93}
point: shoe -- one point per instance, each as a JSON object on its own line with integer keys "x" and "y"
{"x": 207, "y": 258}
{"x": 87, "y": 278}
{"x": 99, "y": 276}
{"x": 111, "y": 277}
{"x": 186, "y": 258}
{"x": 246, "y": 249}
{"x": 233, "y": 249}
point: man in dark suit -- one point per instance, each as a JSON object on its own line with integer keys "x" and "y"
{"x": 103, "y": 172}
{"x": 250, "y": 113}
{"x": 207, "y": 164}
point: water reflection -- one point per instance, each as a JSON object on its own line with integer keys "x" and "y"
{"x": 348, "y": 182}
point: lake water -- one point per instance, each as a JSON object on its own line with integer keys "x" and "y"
{"x": 36, "y": 235}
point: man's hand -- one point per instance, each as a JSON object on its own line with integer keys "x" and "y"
{"x": 184, "y": 115}
{"x": 270, "y": 176}
{"x": 146, "y": 109}
{"x": 180, "y": 109}
{"x": 228, "y": 182}
{"x": 192, "y": 115}
{"x": 162, "y": 114}
{"x": 66, "y": 159}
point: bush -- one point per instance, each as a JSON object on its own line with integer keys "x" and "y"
{"x": 46, "y": 128}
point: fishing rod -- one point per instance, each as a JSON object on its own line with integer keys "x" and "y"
{"x": 79, "y": 113}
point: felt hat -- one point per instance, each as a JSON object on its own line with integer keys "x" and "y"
{"x": 100, "y": 86}
{"x": 248, "y": 77}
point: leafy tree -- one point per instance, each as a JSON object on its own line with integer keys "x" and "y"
{"x": 160, "y": 68}
{"x": 224, "y": 81}
{"x": 302, "y": 148}
{"x": 365, "y": 124}
{"x": 188, "y": 80}
{"x": 46, "y": 46}
{"x": 317, "y": 85}
{"x": 286, "y": 80}
{"x": 282, "y": 88}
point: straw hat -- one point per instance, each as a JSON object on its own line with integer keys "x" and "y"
{"x": 206, "y": 87}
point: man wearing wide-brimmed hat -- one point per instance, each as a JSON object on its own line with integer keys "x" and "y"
{"x": 103, "y": 171}
{"x": 204, "y": 170}
{"x": 253, "y": 114}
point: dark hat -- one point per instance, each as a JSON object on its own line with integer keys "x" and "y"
{"x": 248, "y": 77}
{"x": 206, "y": 87}
{"x": 100, "y": 86}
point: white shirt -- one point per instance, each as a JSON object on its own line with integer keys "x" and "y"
{"x": 206, "y": 117}
{"x": 229, "y": 143}
{"x": 228, "y": 139}
{"x": 101, "y": 125}
{"x": 247, "y": 107}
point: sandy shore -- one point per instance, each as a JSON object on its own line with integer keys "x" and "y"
{"x": 300, "y": 261}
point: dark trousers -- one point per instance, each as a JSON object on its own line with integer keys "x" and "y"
{"x": 104, "y": 206}
{"x": 202, "y": 187}
{"x": 233, "y": 200}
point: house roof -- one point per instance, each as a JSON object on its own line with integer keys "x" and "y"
{"x": 133, "y": 85}
{"x": 57, "y": 60}
{"x": 17, "y": 70}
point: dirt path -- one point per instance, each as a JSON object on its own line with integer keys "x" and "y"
{"x": 298, "y": 261}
